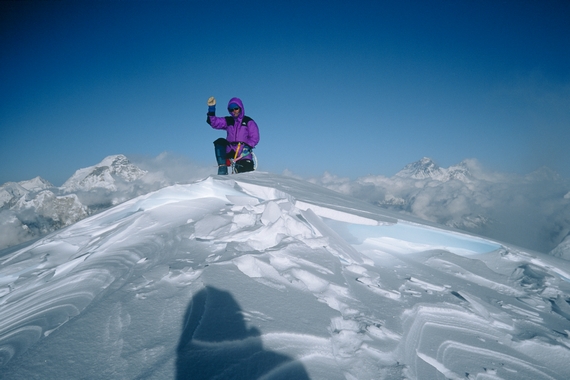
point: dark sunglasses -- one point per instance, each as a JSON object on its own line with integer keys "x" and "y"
{"x": 233, "y": 109}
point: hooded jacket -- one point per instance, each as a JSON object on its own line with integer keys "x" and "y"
{"x": 239, "y": 129}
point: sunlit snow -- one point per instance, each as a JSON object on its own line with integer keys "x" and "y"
{"x": 263, "y": 276}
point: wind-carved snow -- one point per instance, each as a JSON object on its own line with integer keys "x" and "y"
{"x": 262, "y": 276}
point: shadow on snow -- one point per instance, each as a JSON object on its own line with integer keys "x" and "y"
{"x": 217, "y": 344}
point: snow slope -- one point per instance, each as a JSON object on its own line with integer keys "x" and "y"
{"x": 263, "y": 276}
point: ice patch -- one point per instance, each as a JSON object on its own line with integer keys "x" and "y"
{"x": 336, "y": 243}
{"x": 410, "y": 238}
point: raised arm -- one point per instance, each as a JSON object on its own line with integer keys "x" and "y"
{"x": 215, "y": 122}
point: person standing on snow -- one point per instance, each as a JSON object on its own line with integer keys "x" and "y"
{"x": 242, "y": 136}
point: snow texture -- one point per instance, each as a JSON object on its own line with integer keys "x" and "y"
{"x": 270, "y": 277}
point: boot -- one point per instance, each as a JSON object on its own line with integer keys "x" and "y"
{"x": 222, "y": 170}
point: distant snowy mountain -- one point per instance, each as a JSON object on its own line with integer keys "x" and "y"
{"x": 57, "y": 211}
{"x": 105, "y": 175}
{"x": 422, "y": 169}
{"x": 426, "y": 168}
{"x": 410, "y": 189}
{"x": 33, "y": 208}
{"x": 10, "y": 192}
{"x": 36, "y": 184}
{"x": 260, "y": 276}
{"x": 543, "y": 174}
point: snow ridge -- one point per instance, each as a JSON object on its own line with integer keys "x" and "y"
{"x": 263, "y": 276}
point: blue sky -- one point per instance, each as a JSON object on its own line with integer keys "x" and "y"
{"x": 347, "y": 87}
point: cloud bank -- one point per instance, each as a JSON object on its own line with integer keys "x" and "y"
{"x": 532, "y": 211}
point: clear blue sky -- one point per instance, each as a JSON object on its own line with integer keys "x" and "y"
{"x": 353, "y": 88}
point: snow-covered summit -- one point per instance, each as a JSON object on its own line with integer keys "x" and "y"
{"x": 422, "y": 169}
{"x": 426, "y": 168}
{"x": 11, "y": 192}
{"x": 36, "y": 184}
{"x": 104, "y": 175}
{"x": 264, "y": 276}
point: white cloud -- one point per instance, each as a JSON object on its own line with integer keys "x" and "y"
{"x": 12, "y": 231}
{"x": 168, "y": 168}
{"x": 532, "y": 211}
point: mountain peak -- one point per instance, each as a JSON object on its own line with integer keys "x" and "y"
{"x": 114, "y": 160}
{"x": 36, "y": 184}
{"x": 10, "y": 192}
{"x": 422, "y": 169}
{"x": 426, "y": 168}
{"x": 104, "y": 175}
{"x": 543, "y": 174}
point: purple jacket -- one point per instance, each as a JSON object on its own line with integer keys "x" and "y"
{"x": 241, "y": 129}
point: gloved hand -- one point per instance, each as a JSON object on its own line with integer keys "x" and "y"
{"x": 211, "y": 105}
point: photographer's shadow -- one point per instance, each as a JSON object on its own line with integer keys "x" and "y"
{"x": 216, "y": 343}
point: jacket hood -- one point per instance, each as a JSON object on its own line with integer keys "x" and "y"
{"x": 239, "y": 103}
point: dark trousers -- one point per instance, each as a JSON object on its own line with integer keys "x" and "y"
{"x": 220, "y": 151}
{"x": 241, "y": 166}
